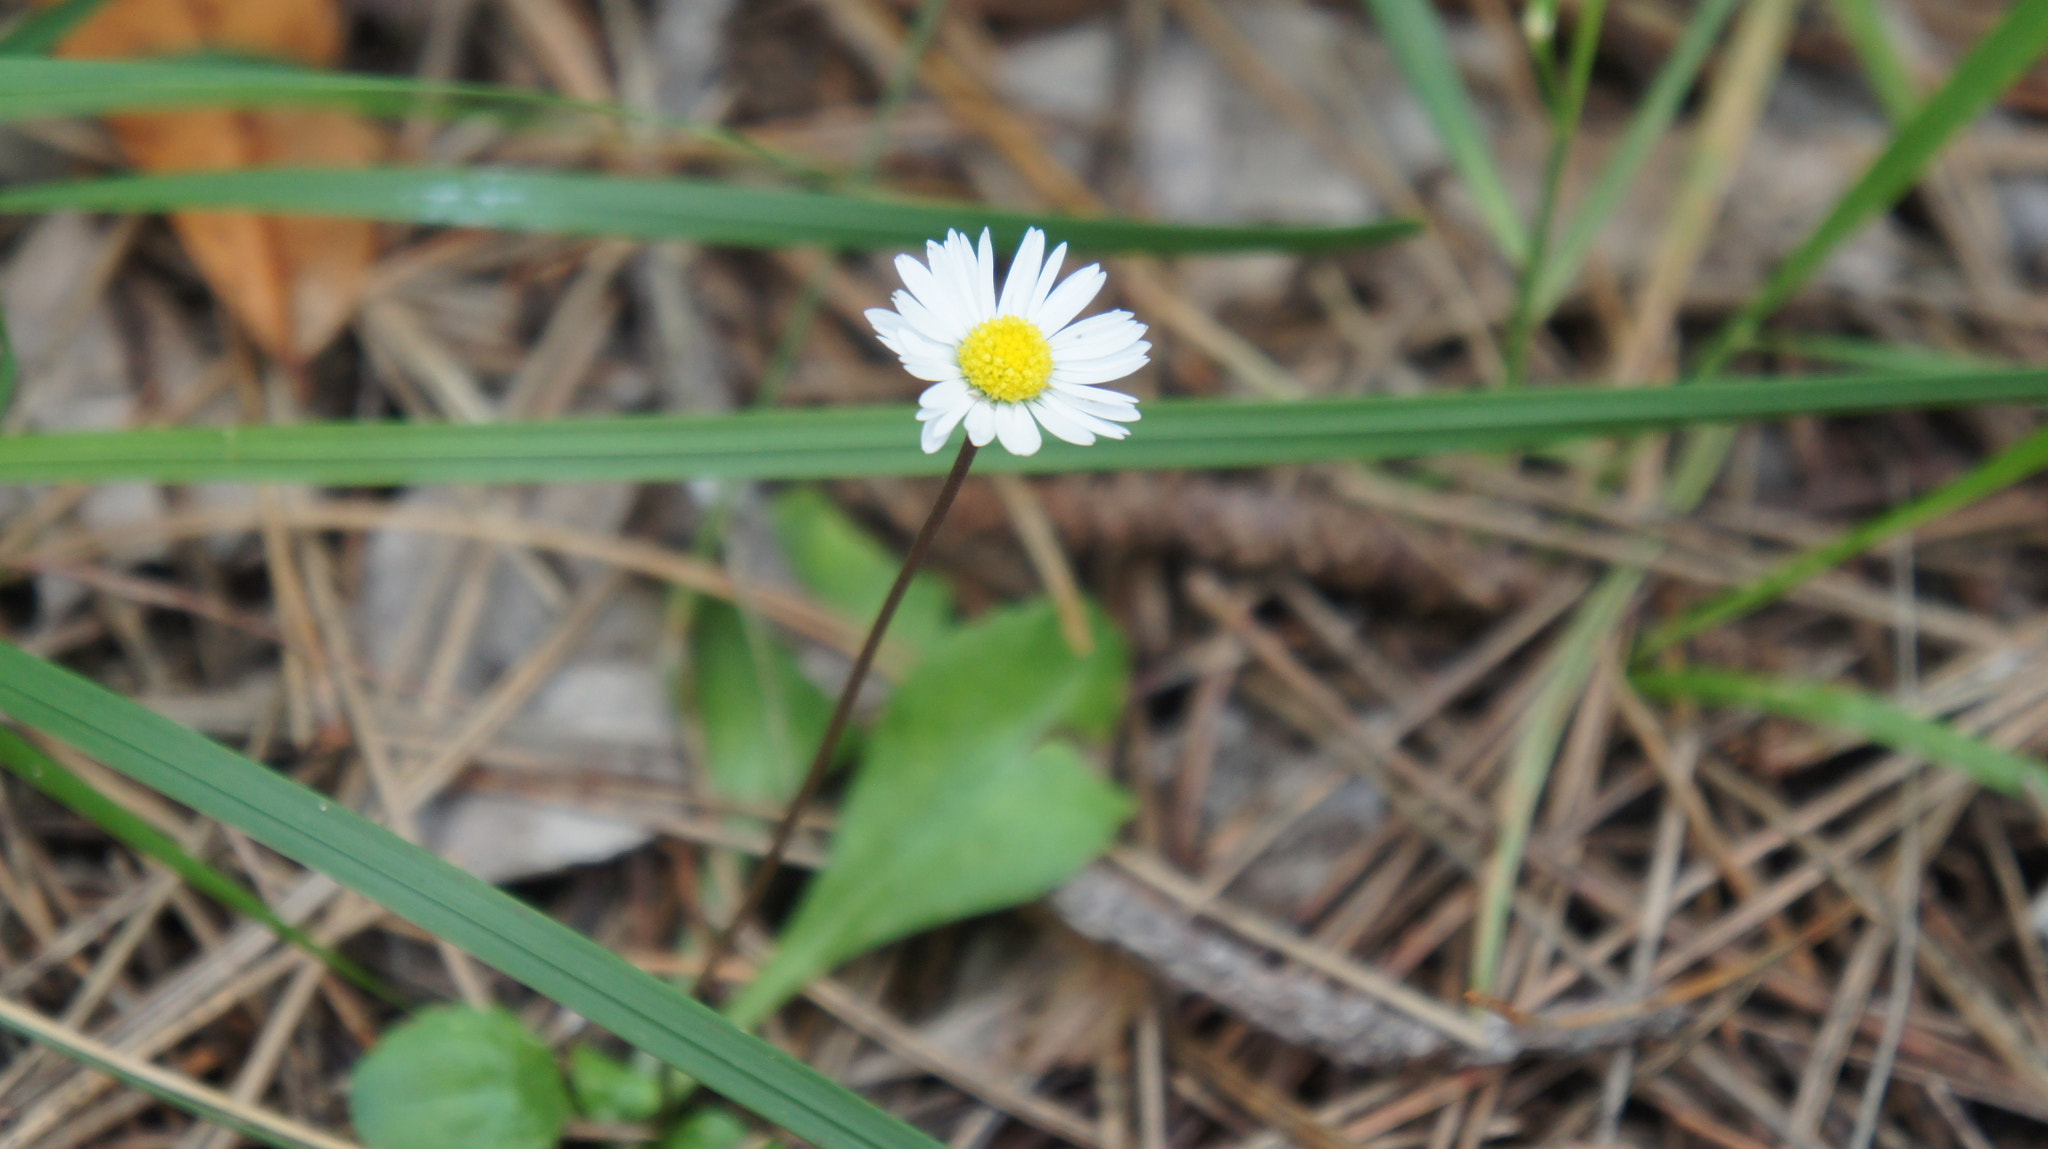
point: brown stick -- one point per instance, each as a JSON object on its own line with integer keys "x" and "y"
{"x": 764, "y": 872}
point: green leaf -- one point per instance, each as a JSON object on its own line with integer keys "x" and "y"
{"x": 1865, "y": 715}
{"x": 501, "y": 931}
{"x": 63, "y": 785}
{"x": 845, "y": 568}
{"x": 459, "y": 1078}
{"x": 1416, "y": 35}
{"x": 706, "y": 1129}
{"x": 38, "y": 32}
{"x": 700, "y": 210}
{"x": 882, "y": 440}
{"x": 958, "y": 808}
{"x": 609, "y": 1090}
{"x": 761, "y": 717}
{"x": 10, "y": 367}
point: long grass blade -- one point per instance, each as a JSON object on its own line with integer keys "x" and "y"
{"x": 63, "y": 785}
{"x": 1865, "y": 715}
{"x": 1863, "y": 26}
{"x": 1998, "y": 59}
{"x": 193, "y": 1097}
{"x": 1652, "y": 119}
{"x": 2022, "y": 460}
{"x": 653, "y": 209}
{"x": 554, "y": 960}
{"x": 1416, "y": 36}
{"x": 881, "y": 440}
{"x": 38, "y": 32}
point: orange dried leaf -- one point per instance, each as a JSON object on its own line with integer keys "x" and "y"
{"x": 290, "y": 282}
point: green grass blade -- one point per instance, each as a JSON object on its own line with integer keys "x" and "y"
{"x": 63, "y": 785}
{"x": 1652, "y": 119}
{"x": 37, "y": 88}
{"x": 1865, "y": 715}
{"x": 10, "y": 367}
{"x": 1870, "y": 355}
{"x": 193, "y": 1097}
{"x": 1997, "y": 60}
{"x": 501, "y": 931}
{"x": 1863, "y": 26}
{"x": 653, "y": 209}
{"x": 881, "y": 440}
{"x": 1416, "y": 35}
{"x": 37, "y": 33}
{"x": 2026, "y": 458}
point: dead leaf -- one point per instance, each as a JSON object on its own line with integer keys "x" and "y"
{"x": 291, "y": 283}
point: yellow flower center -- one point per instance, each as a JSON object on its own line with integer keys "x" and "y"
{"x": 1007, "y": 358}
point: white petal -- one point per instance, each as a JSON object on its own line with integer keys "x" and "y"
{"x": 1067, "y": 300}
{"x": 1061, "y": 420}
{"x": 981, "y": 423}
{"x": 919, "y": 279}
{"x": 1023, "y": 277}
{"x": 985, "y": 276}
{"x": 1099, "y": 370}
{"x": 965, "y": 269}
{"x": 929, "y": 369}
{"x": 1054, "y": 400}
{"x": 1108, "y": 327}
{"x": 953, "y": 276}
{"x": 1017, "y": 429}
{"x": 942, "y": 325}
{"x": 1106, "y": 404}
{"x": 946, "y": 394}
{"x": 940, "y": 428}
{"x": 1047, "y": 276}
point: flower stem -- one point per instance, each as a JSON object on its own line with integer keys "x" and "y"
{"x": 764, "y": 872}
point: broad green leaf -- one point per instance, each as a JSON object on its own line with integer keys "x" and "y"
{"x": 63, "y": 785}
{"x": 453, "y": 1077}
{"x": 761, "y": 718}
{"x": 608, "y": 1090}
{"x": 39, "y": 32}
{"x": 1416, "y": 35}
{"x": 959, "y": 807}
{"x": 501, "y": 931}
{"x": 1866, "y": 715}
{"x": 636, "y": 208}
{"x": 849, "y": 571}
{"x": 882, "y": 440}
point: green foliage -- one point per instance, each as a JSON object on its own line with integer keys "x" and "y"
{"x": 706, "y": 1129}
{"x": 10, "y": 367}
{"x": 459, "y": 1078}
{"x": 1866, "y": 715}
{"x": 847, "y": 570}
{"x": 39, "y": 31}
{"x": 608, "y": 1090}
{"x": 761, "y": 718}
{"x": 315, "y": 831}
{"x": 882, "y": 440}
{"x": 706, "y": 211}
{"x": 961, "y": 807}
{"x": 63, "y": 785}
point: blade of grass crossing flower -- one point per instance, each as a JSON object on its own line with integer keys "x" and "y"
{"x": 1416, "y": 36}
{"x": 64, "y": 786}
{"x": 881, "y": 440}
{"x": 37, "y": 33}
{"x": 706, "y": 211}
{"x": 2024, "y": 459}
{"x": 1866, "y": 715}
{"x": 1863, "y": 25}
{"x": 1652, "y": 119}
{"x": 193, "y": 1097}
{"x": 499, "y": 930}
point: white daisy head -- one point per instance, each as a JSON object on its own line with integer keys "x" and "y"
{"x": 1008, "y": 364}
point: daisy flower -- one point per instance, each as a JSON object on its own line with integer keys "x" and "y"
{"x": 1008, "y": 364}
